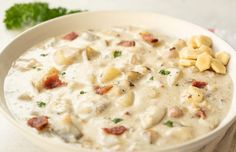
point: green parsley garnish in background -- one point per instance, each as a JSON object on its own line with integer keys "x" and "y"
{"x": 117, "y": 54}
{"x": 41, "y": 104}
{"x": 117, "y": 120}
{"x": 22, "y": 15}
{"x": 169, "y": 123}
{"x": 164, "y": 72}
{"x": 82, "y": 92}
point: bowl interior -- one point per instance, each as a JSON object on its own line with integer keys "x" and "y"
{"x": 82, "y": 21}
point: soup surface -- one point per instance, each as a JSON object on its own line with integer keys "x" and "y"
{"x": 120, "y": 89}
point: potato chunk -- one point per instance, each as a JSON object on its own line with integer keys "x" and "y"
{"x": 180, "y": 134}
{"x": 25, "y": 96}
{"x": 48, "y": 80}
{"x": 223, "y": 57}
{"x": 151, "y": 136}
{"x": 65, "y": 56}
{"x": 174, "y": 76}
{"x": 91, "y": 53}
{"x": 66, "y": 128}
{"x": 203, "y": 61}
{"x": 24, "y": 65}
{"x": 152, "y": 116}
{"x": 133, "y": 76}
{"x": 127, "y": 99}
{"x": 218, "y": 67}
{"x": 110, "y": 74}
{"x": 179, "y": 44}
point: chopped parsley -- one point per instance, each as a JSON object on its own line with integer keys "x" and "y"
{"x": 43, "y": 55}
{"x": 117, "y": 120}
{"x": 34, "y": 67}
{"x": 41, "y": 104}
{"x": 63, "y": 73}
{"x": 152, "y": 78}
{"x": 169, "y": 123}
{"x": 82, "y": 92}
{"x": 164, "y": 72}
{"x": 117, "y": 54}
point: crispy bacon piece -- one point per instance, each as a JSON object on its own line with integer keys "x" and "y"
{"x": 126, "y": 43}
{"x": 70, "y": 36}
{"x": 115, "y": 130}
{"x": 199, "y": 84}
{"x": 39, "y": 123}
{"x": 102, "y": 90}
{"x": 201, "y": 113}
{"x": 52, "y": 81}
{"x": 148, "y": 37}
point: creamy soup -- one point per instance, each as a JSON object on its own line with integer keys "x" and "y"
{"x": 120, "y": 89}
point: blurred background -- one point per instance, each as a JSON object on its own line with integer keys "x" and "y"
{"x": 219, "y": 15}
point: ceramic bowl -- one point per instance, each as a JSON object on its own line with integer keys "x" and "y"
{"x": 103, "y": 19}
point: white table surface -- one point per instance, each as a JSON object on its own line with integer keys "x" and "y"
{"x": 218, "y": 14}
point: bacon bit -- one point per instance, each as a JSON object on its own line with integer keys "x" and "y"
{"x": 115, "y": 130}
{"x": 211, "y": 30}
{"x": 38, "y": 123}
{"x": 199, "y": 84}
{"x": 201, "y": 113}
{"x": 102, "y": 90}
{"x": 190, "y": 96}
{"x": 52, "y": 81}
{"x": 70, "y": 36}
{"x": 149, "y": 38}
{"x": 127, "y": 113}
{"x": 127, "y": 43}
{"x": 173, "y": 48}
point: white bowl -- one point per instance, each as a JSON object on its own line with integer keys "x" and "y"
{"x": 102, "y": 19}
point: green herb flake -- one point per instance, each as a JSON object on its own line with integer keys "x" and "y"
{"x": 169, "y": 123}
{"x": 117, "y": 120}
{"x": 117, "y": 54}
{"x": 41, "y": 104}
{"x": 152, "y": 78}
{"x": 63, "y": 73}
{"x": 82, "y": 92}
{"x": 164, "y": 72}
{"x": 34, "y": 67}
{"x": 43, "y": 55}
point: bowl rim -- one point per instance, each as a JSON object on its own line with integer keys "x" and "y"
{"x": 26, "y": 131}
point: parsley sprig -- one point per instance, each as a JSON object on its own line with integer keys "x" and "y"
{"x": 82, "y": 92}
{"x": 41, "y": 104}
{"x": 117, "y": 120}
{"x": 117, "y": 54}
{"x": 23, "y": 15}
{"x": 169, "y": 124}
{"x": 164, "y": 72}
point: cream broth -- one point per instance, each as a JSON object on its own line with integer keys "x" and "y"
{"x": 120, "y": 89}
